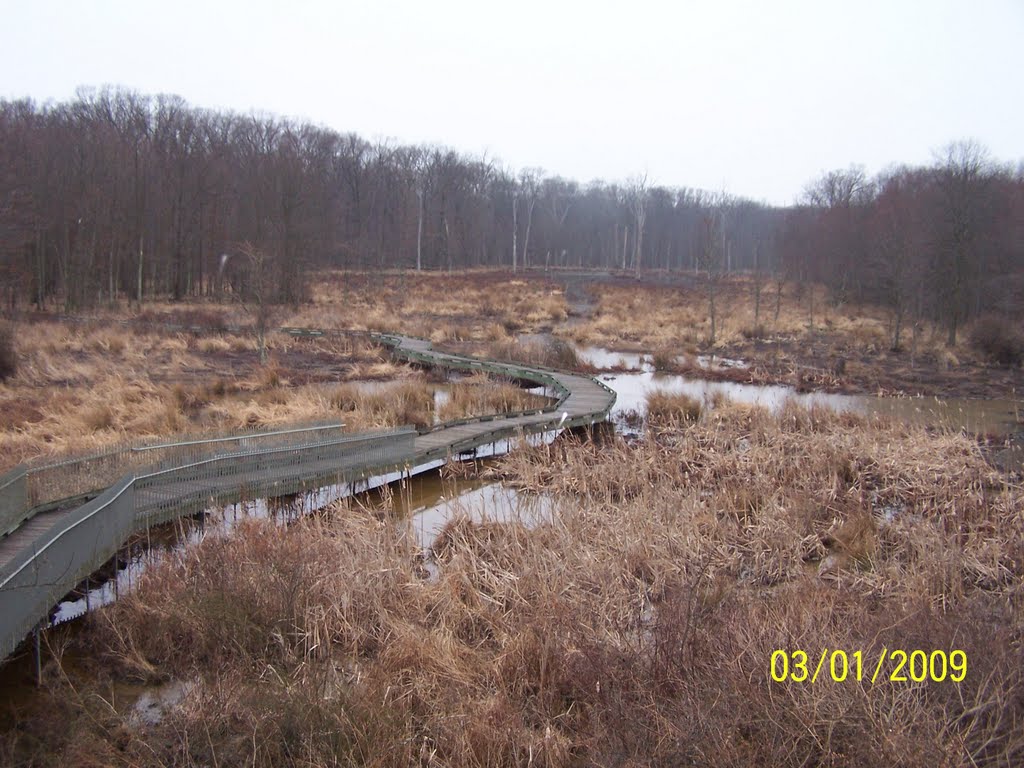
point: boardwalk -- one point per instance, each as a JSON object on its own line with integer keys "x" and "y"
{"x": 586, "y": 401}
{"x": 52, "y": 550}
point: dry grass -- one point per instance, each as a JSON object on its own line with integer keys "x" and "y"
{"x": 671, "y": 408}
{"x": 550, "y": 353}
{"x": 81, "y": 388}
{"x": 635, "y": 629}
{"x": 477, "y": 306}
{"x": 842, "y": 347}
{"x": 409, "y": 402}
{"x": 677, "y": 319}
{"x": 480, "y": 396}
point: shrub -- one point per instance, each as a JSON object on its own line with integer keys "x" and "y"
{"x": 999, "y": 340}
{"x": 665, "y": 408}
{"x": 753, "y": 332}
{"x": 663, "y": 360}
{"x": 8, "y": 354}
{"x": 98, "y": 418}
{"x": 559, "y": 354}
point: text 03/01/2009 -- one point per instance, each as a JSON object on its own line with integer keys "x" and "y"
{"x": 897, "y": 666}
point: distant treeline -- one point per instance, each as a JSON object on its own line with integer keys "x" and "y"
{"x": 121, "y": 195}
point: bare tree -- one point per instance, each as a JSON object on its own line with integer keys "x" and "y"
{"x": 638, "y": 194}
{"x": 558, "y": 196}
{"x": 710, "y": 257}
{"x": 964, "y": 180}
{"x": 758, "y": 283}
{"x": 116, "y": 195}
{"x": 838, "y": 199}
{"x": 529, "y": 181}
{"x": 417, "y": 174}
{"x": 256, "y": 289}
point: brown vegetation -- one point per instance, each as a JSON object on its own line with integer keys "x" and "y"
{"x": 479, "y": 396}
{"x": 482, "y": 305}
{"x": 671, "y": 409}
{"x": 637, "y": 628}
{"x": 1000, "y": 341}
{"x": 547, "y": 353}
{"x": 845, "y": 347}
{"x": 82, "y": 387}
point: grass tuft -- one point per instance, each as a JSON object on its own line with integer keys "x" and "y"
{"x": 670, "y": 408}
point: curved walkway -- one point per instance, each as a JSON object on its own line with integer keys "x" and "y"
{"x": 53, "y": 545}
{"x": 583, "y": 400}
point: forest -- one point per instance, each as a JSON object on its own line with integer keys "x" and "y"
{"x": 116, "y": 195}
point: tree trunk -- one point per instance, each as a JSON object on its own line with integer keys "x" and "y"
{"x": 711, "y": 307}
{"x": 529, "y": 222}
{"x": 515, "y": 232}
{"x": 138, "y": 295}
{"x": 640, "y": 218}
{"x": 757, "y": 285}
{"x": 419, "y": 233}
{"x": 810, "y": 308}
{"x": 448, "y": 244}
{"x": 625, "y": 242}
{"x": 897, "y": 331}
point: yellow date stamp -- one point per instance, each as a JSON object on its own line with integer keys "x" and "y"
{"x": 895, "y": 666}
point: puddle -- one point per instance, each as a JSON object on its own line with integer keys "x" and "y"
{"x": 147, "y": 550}
{"x": 605, "y": 359}
{"x": 442, "y": 397}
{"x": 433, "y": 501}
{"x": 716, "y": 363}
{"x": 997, "y": 417}
{"x": 541, "y": 339}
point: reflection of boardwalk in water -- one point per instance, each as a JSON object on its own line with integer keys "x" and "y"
{"x": 53, "y": 547}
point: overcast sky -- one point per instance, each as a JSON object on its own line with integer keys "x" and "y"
{"x": 755, "y": 98}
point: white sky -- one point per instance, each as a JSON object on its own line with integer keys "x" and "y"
{"x": 755, "y": 98}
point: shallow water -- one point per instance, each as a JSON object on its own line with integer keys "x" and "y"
{"x": 605, "y": 359}
{"x": 989, "y": 417}
{"x": 430, "y": 501}
{"x": 424, "y": 502}
{"x": 716, "y": 363}
{"x": 998, "y": 417}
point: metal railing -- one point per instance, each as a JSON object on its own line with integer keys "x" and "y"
{"x": 81, "y": 542}
{"x": 36, "y": 487}
{"x": 151, "y": 483}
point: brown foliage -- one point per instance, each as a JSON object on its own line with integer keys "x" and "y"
{"x": 635, "y": 628}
